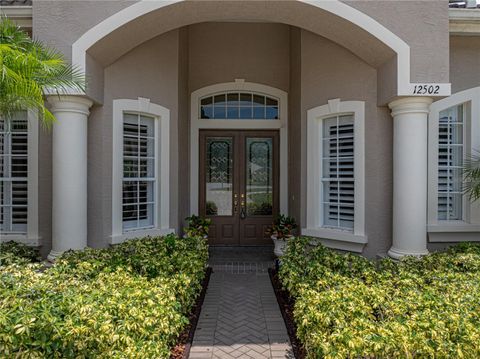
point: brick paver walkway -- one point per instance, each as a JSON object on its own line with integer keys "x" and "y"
{"x": 240, "y": 317}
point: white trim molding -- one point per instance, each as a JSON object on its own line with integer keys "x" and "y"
{"x": 162, "y": 148}
{"x": 314, "y": 226}
{"x": 460, "y": 230}
{"x": 336, "y": 7}
{"x": 464, "y": 22}
{"x": 197, "y": 124}
{"x": 342, "y": 245}
{"x": 31, "y": 237}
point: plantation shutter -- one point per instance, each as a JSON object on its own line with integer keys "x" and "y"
{"x": 450, "y": 163}
{"x": 338, "y": 172}
{"x": 138, "y": 171}
{"x": 14, "y": 174}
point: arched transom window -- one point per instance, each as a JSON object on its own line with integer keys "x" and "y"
{"x": 239, "y": 106}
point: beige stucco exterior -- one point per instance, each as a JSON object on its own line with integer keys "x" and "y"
{"x": 310, "y": 53}
{"x": 464, "y": 62}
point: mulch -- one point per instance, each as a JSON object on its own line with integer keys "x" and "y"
{"x": 286, "y": 304}
{"x": 182, "y": 349}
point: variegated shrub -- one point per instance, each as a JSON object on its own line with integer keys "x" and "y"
{"x": 349, "y": 307}
{"x": 129, "y": 301}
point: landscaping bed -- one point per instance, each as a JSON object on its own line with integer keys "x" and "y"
{"x": 129, "y": 301}
{"x": 286, "y": 304}
{"x": 184, "y": 341}
{"x": 345, "y": 306}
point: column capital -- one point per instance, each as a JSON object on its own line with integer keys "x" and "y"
{"x": 69, "y": 103}
{"x": 410, "y": 105}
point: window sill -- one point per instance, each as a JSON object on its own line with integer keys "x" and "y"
{"x": 453, "y": 232}
{"x": 457, "y": 226}
{"x": 154, "y": 232}
{"x": 337, "y": 239}
{"x": 21, "y": 238}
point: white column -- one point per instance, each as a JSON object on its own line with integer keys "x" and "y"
{"x": 69, "y": 166}
{"x": 410, "y": 116}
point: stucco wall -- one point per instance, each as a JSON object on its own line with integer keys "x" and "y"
{"x": 183, "y": 129}
{"x": 151, "y": 71}
{"x": 329, "y": 72}
{"x": 295, "y": 124}
{"x": 423, "y": 25}
{"x": 223, "y": 52}
{"x": 464, "y": 62}
{"x": 61, "y": 22}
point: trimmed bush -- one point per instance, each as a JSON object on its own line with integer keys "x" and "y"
{"x": 12, "y": 252}
{"x": 349, "y": 307}
{"x": 129, "y": 301}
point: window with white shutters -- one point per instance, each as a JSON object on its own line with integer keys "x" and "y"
{"x": 14, "y": 174}
{"x": 338, "y": 178}
{"x": 450, "y": 162}
{"x": 138, "y": 171}
{"x": 336, "y": 174}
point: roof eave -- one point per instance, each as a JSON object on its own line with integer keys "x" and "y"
{"x": 464, "y": 22}
{"x": 21, "y": 14}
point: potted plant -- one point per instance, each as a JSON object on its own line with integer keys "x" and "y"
{"x": 197, "y": 226}
{"x": 211, "y": 208}
{"x": 280, "y": 232}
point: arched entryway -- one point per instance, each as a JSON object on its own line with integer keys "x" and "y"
{"x": 334, "y": 20}
{"x": 239, "y": 159}
{"x": 112, "y": 46}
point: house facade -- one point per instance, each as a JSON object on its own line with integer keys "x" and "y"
{"x": 354, "y": 117}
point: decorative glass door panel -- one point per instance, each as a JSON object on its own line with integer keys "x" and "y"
{"x": 239, "y": 184}
{"x": 259, "y": 186}
{"x": 219, "y": 176}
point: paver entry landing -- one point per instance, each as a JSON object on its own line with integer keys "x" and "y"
{"x": 240, "y": 317}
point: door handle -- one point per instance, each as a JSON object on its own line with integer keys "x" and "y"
{"x": 243, "y": 213}
{"x": 235, "y": 203}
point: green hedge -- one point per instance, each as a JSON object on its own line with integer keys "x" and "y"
{"x": 349, "y": 307}
{"x": 12, "y": 252}
{"x": 129, "y": 301}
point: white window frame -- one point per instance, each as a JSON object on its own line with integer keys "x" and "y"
{"x": 161, "y": 115}
{"x": 336, "y": 238}
{"x": 31, "y": 237}
{"x": 470, "y": 222}
{"x": 197, "y": 123}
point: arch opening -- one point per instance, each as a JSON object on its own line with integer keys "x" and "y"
{"x": 334, "y": 20}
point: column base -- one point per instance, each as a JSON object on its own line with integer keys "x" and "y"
{"x": 398, "y": 253}
{"x": 53, "y": 255}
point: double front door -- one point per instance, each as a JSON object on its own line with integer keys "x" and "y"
{"x": 239, "y": 178}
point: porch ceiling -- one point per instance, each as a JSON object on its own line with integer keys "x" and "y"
{"x": 295, "y": 13}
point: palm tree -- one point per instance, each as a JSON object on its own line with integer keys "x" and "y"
{"x": 471, "y": 173}
{"x": 28, "y": 70}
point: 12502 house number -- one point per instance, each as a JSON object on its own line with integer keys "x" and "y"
{"x": 426, "y": 89}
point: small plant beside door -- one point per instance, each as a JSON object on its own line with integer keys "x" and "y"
{"x": 197, "y": 226}
{"x": 281, "y": 231}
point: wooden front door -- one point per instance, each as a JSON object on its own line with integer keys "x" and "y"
{"x": 239, "y": 184}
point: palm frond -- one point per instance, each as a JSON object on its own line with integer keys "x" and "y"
{"x": 28, "y": 70}
{"x": 471, "y": 176}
